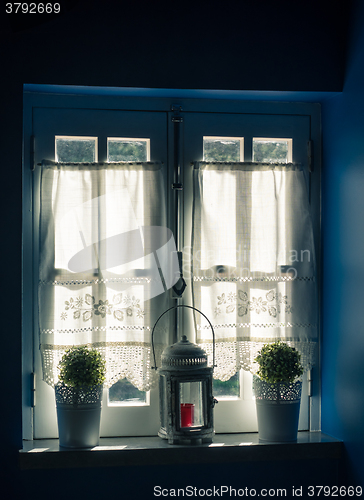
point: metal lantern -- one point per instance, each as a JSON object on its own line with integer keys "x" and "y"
{"x": 185, "y": 391}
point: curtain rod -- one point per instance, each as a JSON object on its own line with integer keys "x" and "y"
{"x": 51, "y": 162}
{"x": 246, "y": 165}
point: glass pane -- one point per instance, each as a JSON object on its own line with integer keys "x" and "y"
{"x": 127, "y": 149}
{"x": 223, "y": 148}
{"x": 120, "y": 149}
{"x": 163, "y": 400}
{"x": 123, "y": 392}
{"x": 228, "y": 389}
{"x": 267, "y": 150}
{"x": 76, "y": 149}
{"x": 191, "y": 404}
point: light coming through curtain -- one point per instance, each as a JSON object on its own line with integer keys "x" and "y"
{"x": 106, "y": 260}
{"x": 253, "y": 261}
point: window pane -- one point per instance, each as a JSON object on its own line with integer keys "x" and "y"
{"x": 130, "y": 149}
{"x": 228, "y": 389}
{"x": 267, "y": 150}
{"x": 223, "y": 149}
{"x": 229, "y": 149}
{"x": 123, "y": 392}
{"x": 191, "y": 404}
{"x": 134, "y": 150}
{"x": 76, "y": 149}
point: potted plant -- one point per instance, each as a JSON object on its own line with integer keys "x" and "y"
{"x": 277, "y": 388}
{"x": 78, "y": 397}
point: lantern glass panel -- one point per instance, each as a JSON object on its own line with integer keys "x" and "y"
{"x": 191, "y": 404}
{"x": 162, "y": 400}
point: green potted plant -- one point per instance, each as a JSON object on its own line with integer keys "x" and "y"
{"x": 277, "y": 388}
{"x": 78, "y": 397}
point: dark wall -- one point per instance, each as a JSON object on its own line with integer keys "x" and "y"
{"x": 233, "y": 45}
{"x": 343, "y": 235}
{"x": 240, "y": 45}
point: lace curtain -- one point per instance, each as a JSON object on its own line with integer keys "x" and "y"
{"x": 104, "y": 247}
{"x": 253, "y": 261}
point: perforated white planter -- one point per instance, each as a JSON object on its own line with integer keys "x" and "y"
{"x": 78, "y": 415}
{"x": 278, "y": 409}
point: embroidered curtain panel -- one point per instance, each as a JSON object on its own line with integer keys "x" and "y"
{"x": 253, "y": 261}
{"x": 103, "y": 241}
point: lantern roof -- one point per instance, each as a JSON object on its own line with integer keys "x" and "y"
{"x": 184, "y": 354}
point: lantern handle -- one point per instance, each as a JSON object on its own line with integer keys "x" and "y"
{"x": 189, "y": 307}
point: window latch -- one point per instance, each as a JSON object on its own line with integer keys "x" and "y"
{"x": 309, "y": 383}
{"x": 310, "y": 156}
{"x": 32, "y": 390}
{"x": 180, "y": 286}
{"x": 32, "y": 151}
{"x": 176, "y": 118}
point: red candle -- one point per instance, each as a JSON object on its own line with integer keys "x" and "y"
{"x": 187, "y": 414}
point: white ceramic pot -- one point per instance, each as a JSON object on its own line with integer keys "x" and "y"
{"x": 278, "y": 409}
{"x": 78, "y": 416}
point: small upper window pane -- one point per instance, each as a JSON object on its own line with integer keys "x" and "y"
{"x": 124, "y": 393}
{"x": 70, "y": 149}
{"x": 128, "y": 149}
{"x": 223, "y": 149}
{"x": 227, "y": 390}
{"x": 270, "y": 150}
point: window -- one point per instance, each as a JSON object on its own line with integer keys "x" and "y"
{"x": 267, "y": 149}
{"x": 128, "y": 149}
{"x": 126, "y": 132}
{"x": 223, "y": 149}
{"x": 231, "y": 149}
{"x": 75, "y": 149}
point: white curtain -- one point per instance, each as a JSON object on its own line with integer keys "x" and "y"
{"x": 106, "y": 259}
{"x": 253, "y": 261}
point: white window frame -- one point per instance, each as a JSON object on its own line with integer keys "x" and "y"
{"x": 45, "y": 96}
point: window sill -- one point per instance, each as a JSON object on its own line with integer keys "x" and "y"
{"x": 112, "y": 452}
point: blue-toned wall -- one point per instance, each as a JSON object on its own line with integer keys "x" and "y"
{"x": 343, "y": 257}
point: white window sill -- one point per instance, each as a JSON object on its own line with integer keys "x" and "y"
{"x": 46, "y": 453}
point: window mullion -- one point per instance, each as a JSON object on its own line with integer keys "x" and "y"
{"x": 177, "y": 216}
{"x": 248, "y": 147}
